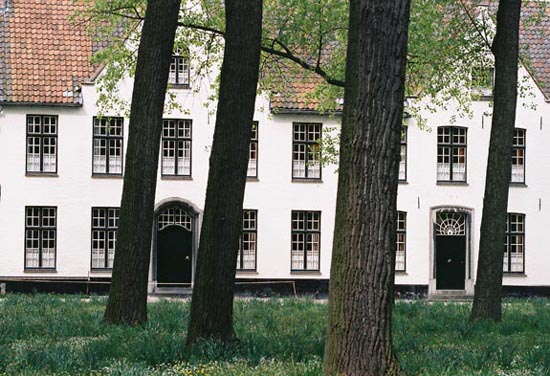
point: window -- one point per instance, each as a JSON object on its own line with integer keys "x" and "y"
{"x": 253, "y": 153}
{"x": 246, "y": 259}
{"x": 400, "y": 261}
{"x": 403, "y": 160}
{"x": 518, "y": 156}
{"x": 42, "y": 143}
{"x": 40, "y": 237}
{"x": 104, "y": 228}
{"x": 107, "y": 153}
{"x": 451, "y": 154}
{"x": 176, "y": 147}
{"x": 305, "y": 156}
{"x": 514, "y": 244}
{"x": 179, "y": 71}
{"x": 306, "y": 240}
{"x": 483, "y": 81}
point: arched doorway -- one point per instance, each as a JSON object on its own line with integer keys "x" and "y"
{"x": 450, "y": 250}
{"x": 174, "y": 245}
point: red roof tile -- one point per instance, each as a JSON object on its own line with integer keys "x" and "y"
{"x": 44, "y": 55}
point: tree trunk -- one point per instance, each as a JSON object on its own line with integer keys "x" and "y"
{"x": 212, "y": 302}
{"x": 359, "y": 339}
{"x": 488, "y": 288}
{"x": 128, "y": 294}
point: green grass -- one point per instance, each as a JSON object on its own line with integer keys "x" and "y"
{"x": 45, "y": 334}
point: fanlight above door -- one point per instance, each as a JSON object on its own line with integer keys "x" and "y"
{"x": 450, "y": 224}
{"x": 174, "y": 217}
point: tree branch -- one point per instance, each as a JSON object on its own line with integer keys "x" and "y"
{"x": 476, "y": 26}
{"x": 270, "y": 49}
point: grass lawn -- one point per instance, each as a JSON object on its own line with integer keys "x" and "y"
{"x": 45, "y": 334}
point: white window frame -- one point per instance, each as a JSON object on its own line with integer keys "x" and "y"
{"x": 248, "y": 242}
{"x": 40, "y": 237}
{"x": 306, "y": 162}
{"x": 305, "y": 240}
{"x": 401, "y": 242}
{"x": 253, "y": 150}
{"x": 176, "y": 147}
{"x": 514, "y": 244}
{"x": 179, "y": 73}
{"x": 452, "y": 154}
{"x": 108, "y": 146}
{"x": 42, "y": 144}
{"x": 104, "y": 237}
{"x": 518, "y": 156}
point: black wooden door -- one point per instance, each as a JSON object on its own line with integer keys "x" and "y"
{"x": 174, "y": 256}
{"x": 450, "y": 262}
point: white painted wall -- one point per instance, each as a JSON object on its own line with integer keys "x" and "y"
{"x": 74, "y": 191}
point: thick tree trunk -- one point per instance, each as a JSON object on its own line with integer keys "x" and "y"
{"x": 359, "y": 340}
{"x": 212, "y": 302}
{"x": 128, "y": 295}
{"x": 488, "y": 289}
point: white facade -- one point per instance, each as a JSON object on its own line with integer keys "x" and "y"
{"x": 74, "y": 190}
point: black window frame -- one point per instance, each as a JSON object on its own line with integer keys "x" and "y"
{"x": 106, "y": 230}
{"x": 108, "y": 138}
{"x": 517, "y": 147}
{"x": 401, "y": 231}
{"x": 305, "y": 232}
{"x": 185, "y": 60}
{"x": 176, "y": 139}
{"x": 309, "y": 145}
{"x": 41, "y": 136}
{"x": 403, "y": 145}
{"x": 41, "y": 229}
{"x": 245, "y": 231}
{"x": 452, "y": 146}
{"x": 508, "y": 244}
{"x": 254, "y": 143}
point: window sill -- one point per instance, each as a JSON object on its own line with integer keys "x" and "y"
{"x": 480, "y": 94}
{"x": 305, "y": 272}
{"x": 514, "y": 274}
{"x": 307, "y": 180}
{"x": 101, "y": 271}
{"x": 518, "y": 185}
{"x": 252, "y": 179}
{"x": 41, "y": 174}
{"x": 176, "y": 177}
{"x": 452, "y": 183}
{"x": 402, "y": 182}
{"x": 401, "y": 272}
{"x": 50, "y": 271}
{"x": 178, "y": 86}
{"x": 247, "y": 272}
{"x": 107, "y": 176}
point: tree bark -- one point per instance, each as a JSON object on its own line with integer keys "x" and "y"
{"x": 488, "y": 288}
{"x": 127, "y": 302}
{"x": 359, "y": 339}
{"x": 212, "y": 301}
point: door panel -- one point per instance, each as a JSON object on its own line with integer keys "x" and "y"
{"x": 450, "y": 262}
{"x": 174, "y": 255}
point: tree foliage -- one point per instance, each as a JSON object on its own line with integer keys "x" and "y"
{"x": 306, "y": 38}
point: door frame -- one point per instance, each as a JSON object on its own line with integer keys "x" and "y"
{"x": 469, "y": 269}
{"x": 196, "y": 219}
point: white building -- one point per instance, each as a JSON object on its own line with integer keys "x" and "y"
{"x": 61, "y": 174}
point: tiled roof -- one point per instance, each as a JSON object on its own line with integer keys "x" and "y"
{"x": 44, "y": 55}
{"x": 296, "y": 94}
{"x": 535, "y": 42}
